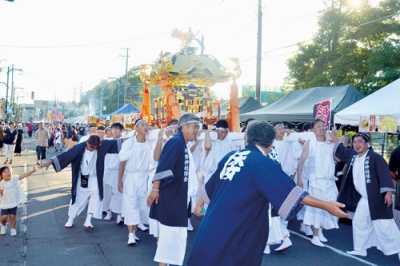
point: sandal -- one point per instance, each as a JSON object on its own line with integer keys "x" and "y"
{"x": 10, "y": 162}
{"x": 6, "y": 162}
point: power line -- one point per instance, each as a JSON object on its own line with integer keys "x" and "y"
{"x": 84, "y": 45}
{"x": 378, "y": 19}
{"x": 276, "y": 49}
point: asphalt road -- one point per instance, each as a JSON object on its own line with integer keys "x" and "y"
{"x": 43, "y": 240}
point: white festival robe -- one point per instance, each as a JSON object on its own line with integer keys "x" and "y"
{"x": 112, "y": 197}
{"x": 219, "y": 149}
{"x": 284, "y": 150}
{"x": 321, "y": 184}
{"x": 139, "y": 160}
{"x": 289, "y": 166}
{"x": 90, "y": 195}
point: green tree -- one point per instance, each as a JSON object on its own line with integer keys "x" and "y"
{"x": 353, "y": 46}
{"x": 110, "y": 92}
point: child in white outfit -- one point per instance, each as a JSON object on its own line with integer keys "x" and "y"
{"x": 12, "y": 195}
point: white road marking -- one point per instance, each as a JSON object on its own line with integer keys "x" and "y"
{"x": 336, "y": 250}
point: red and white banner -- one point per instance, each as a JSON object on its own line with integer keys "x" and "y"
{"x": 322, "y": 110}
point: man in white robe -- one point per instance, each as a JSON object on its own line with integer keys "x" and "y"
{"x": 112, "y": 202}
{"x": 135, "y": 161}
{"x": 215, "y": 148}
{"x": 298, "y": 140}
{"x": 92, "y": 130}
{"x": 283, "y": 148}
{"x": 321, "y": 181}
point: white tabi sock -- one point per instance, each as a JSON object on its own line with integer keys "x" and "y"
{"x": 131, "y": 239}
{"x": 89, "y": 218}
{"x": 321, "y": 236}
{"x": 190, "y": 226}
{"x": 70, "y": 222}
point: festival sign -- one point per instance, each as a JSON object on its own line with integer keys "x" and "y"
{"x": 367, "y": 123}
{"x": 387, "y": 123}
{"x": 93, "y": 120}
{"x": 384, "y": 123}
{"x": 322, "y": 110}
{"x": 131, "y": 118}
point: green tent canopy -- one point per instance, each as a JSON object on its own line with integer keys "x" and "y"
{"x": 245, "y": 105}
{"x": 297, "y": 106}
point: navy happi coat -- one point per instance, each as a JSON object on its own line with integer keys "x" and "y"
{"x": 74, "y": 157}
{"x": 235, "y": 227}
{"x": 377, "y": 178}
{"x": 172, "y": 171}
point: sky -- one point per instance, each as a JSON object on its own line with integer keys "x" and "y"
{"x": 63, "y": 46}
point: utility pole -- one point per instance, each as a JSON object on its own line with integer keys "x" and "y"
{"x": 259, "y": 42}
{"x": 101, "y": 103}
{"x": 8, "y": 71}
{"x": 74, "y": 95}
{"x": 126, "y": 74}
{"x": 12, "y": 88}
{"x": 81, "y": 92}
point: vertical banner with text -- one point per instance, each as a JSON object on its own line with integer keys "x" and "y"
{"x": 322, "y": 110}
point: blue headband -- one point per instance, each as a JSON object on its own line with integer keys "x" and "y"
{"x": 362, "y": 135}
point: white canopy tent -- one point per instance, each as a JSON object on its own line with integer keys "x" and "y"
{"x": 78, "y": 119}
{"x": 382, "y": 102}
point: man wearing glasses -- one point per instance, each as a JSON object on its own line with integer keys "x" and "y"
{"x": 173, "y": 184}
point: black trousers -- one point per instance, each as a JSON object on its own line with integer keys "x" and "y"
{"x": 41, "y": 152}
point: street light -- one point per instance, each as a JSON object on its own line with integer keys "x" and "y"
{"x": 12, "y": 69}
{"x": 119, "y": 86}
{"x": 5, "y": 84}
